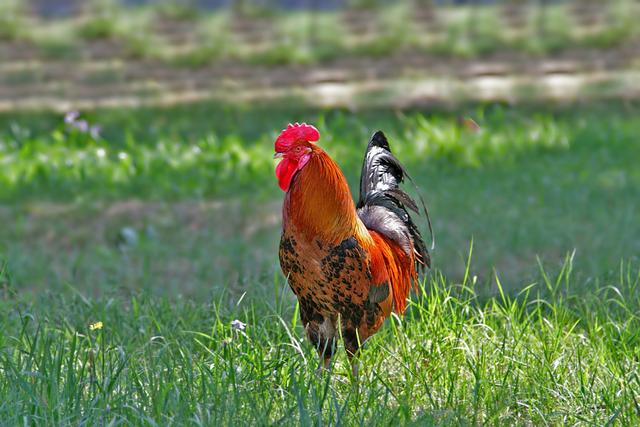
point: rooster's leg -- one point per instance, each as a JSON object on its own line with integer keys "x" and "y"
{"x": 322, "y": 336}
{"x": 325, "y": 352}
{"x": 355, "y": 364}
{"x": 325, "y": 358}
{"x": 352, "y": 345}
{"x": 326, "y": 362}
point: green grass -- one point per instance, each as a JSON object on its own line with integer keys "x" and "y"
{"x": 546, "y": 356}
{"x": 206, "y": 150}
{"x": 165, "y": 229}
{"x": 528, "y": 184}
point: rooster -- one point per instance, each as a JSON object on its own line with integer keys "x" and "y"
{"x": 349, "y": 265}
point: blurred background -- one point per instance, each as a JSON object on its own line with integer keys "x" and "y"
{"x": 91, "y": 53}
{"x": 136, "y": 135}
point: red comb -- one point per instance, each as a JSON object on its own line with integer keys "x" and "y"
{"x": 296, "y": 132}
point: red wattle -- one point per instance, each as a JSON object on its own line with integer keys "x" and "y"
{"x": 284, "y": 171}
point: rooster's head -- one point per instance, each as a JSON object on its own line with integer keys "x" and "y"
{"x": 294, "y": 147}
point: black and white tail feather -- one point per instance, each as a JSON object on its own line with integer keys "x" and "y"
{"x": 382, "y": 205}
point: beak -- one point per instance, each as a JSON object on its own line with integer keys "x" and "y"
{"x": 278, "y": 155}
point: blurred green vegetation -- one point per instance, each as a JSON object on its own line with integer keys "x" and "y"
{"x": 530, "y": 183}
{"x": 207, "y": 150}
{"x": 273, "y": 37}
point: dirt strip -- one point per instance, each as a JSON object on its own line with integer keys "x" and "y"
{"x": 399, "y": 92}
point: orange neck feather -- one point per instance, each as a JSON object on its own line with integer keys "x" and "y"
{"x": 319, "y": 202}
